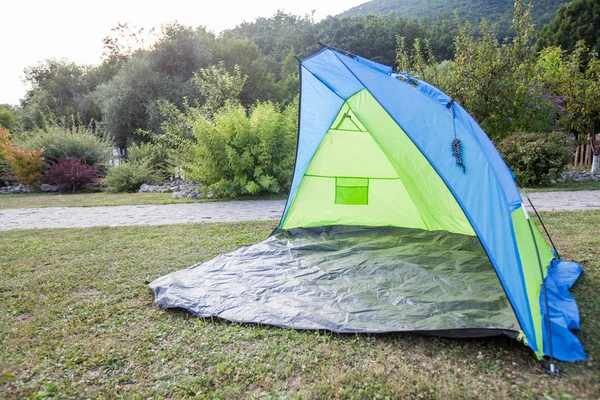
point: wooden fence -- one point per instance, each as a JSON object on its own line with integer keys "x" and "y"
{"x": 583, "y": 155}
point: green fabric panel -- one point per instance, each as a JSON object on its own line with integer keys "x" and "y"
{"x": 340, "y": 151}
{"x": 404, "y": 189}
{"x": 435, "y": 203}
{"x": 315, "y": 205}
{"x": 531, "y": 268}
{"x": 352, "y": 182}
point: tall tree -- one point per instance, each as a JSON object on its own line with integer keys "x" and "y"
{"x": 567, "y": 76}
{"x": 246, "y": 55}
{"x": 59, "y": 88}
{"x": 575, "y": 21}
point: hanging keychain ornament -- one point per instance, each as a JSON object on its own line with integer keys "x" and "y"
{"x": 457, "y": 149}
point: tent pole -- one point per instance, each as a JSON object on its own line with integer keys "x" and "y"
{"x": 543, "y": 225}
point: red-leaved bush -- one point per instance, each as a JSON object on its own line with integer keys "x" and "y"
{"x": 70, "y": 174}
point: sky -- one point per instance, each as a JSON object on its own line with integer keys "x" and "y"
{"x": 34, "y": 30}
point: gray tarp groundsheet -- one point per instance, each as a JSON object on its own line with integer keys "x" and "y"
{"x": 349, "y": 279}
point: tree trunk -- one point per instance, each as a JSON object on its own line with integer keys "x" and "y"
{"x": 595, "y": 148}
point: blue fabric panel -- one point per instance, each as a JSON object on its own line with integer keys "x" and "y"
{"x": 479, "y": 192}
{"x": 379, "y": 67}
{"x": 318, "y": 108}
{"x": 331, "y": 72}
{"x": 504, "y": 173}
{"x": 564, "y": 314}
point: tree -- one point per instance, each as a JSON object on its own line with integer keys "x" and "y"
{"x": 126, "y": 99}
{"x": 125, "y": 41}
{"x": 7, "y": 117}
{"x": 578, "y": 85}
{"x": 486, "y": 77}
{"x": 575, "y": 21}
{"x": 244, "y": 53}
{"x": 59, "y": 88}
{"x": 181, "y": 51}
{"x": 129, "y": 101}
{"x": 219, "y": 87}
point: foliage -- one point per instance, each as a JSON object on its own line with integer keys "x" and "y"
{"x": 159, "y": 157}
{"x": 7, "y": 117}
{"x": 6, "y": 176}
{"x": 126, "y": 40}
{"x": 129, "y": 176}
{"x": 241, "y": 56}
{"x": 485, "y": 75}
{"x": 493, "y": 80}
{"x": 238, "y": 154}
{"x": 498, "y": 11}
{"x": 25, "y": 165}
{"x": 575, "y": 21}
{"x": 129, "y": 100}
{"x": 60, "y": 88}
{"x": 75, "y": 143}
{"x": 125, "y": 100}
{"x": 219, "y": 87}
{"x": 537, "y": 158}
{"x": 70, "y": 175}
{"x": 577, "y": 85}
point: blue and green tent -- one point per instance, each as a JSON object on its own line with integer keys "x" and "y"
{"x": 402, "y": 216}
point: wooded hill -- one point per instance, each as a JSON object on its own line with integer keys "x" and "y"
{"x": 495, "y": 11}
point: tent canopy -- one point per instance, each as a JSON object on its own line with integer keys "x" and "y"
{"x": 375, "y": 150}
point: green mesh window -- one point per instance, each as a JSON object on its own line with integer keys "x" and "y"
{"x": 352, "y": 191}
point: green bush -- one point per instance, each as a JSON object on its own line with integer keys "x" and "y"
{"x": 129, "y": 176}
{"x": 537, "y": 158}
{"x": 158, "y": 156}
{"x": 77, "y": 143}
{"x": 238, "y": 154}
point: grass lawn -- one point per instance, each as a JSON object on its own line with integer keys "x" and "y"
{"x": 566, "y": 186}
{"x": 77, "y": 321}
{"x": 33, "y": 200}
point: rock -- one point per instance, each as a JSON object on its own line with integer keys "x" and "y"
{"x": 44, "y": 187}
{"x": 579, "y": 176}
{"x": 144, "y": 188}
{"x": 211, "y": 196}
{"x": 15, "y": 189}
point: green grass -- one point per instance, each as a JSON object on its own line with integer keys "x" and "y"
{"x": 566, "y": 186}
{"x": 34, "y": 200}
{"x": 77, "y": 321}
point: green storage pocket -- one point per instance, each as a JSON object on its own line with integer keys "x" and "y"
{"x": 352, "y": 191}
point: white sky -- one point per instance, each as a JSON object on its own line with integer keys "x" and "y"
{"x": 33, "y": 30}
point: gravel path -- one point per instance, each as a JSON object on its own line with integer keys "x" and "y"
{"x": 225, "y": 211}
{"x": 81, "y": 217}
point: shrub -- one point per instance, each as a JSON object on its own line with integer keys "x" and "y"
{"x": 70, "y": 175}
{"x": 76, "y": 143}
{"x": 6, "y": 176}
{"x": 537, "y": 158}
{"x": 129, "y": 176}
{"x": 236, "y": 154}
{"x": 26, "y": 165}
{"x": 158, "y": 155}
